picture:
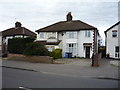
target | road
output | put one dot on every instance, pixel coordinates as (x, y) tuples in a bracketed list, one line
[(14, 78)]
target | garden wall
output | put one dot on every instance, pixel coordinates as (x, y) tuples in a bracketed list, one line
[(35, 59)]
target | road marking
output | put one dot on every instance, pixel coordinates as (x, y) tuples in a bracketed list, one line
[(24, 88)]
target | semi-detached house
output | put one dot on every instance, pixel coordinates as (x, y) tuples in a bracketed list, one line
[(74, 37)]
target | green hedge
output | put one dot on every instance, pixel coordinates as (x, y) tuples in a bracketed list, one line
[(57, 53), (36, 49), (17, 45)]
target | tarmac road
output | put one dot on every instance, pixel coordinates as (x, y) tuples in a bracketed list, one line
[(14, 78)]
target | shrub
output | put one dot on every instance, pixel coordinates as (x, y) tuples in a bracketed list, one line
[(57, 53), (36, 49), (17, 45)]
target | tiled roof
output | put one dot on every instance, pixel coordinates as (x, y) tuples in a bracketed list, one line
[(112, 26), (18, 31), (74, 25)]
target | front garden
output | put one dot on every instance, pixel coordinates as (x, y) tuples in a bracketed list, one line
[(25, 49)]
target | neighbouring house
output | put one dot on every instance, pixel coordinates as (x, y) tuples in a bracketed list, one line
[(76, 38), (112, 41), (17, 31)]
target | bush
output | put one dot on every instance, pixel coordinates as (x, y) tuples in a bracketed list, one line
[(57, 53), (17, 45), (36, 49)]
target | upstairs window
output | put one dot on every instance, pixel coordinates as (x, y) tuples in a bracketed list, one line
[(87, 33), (114, 33), (71, 35), (41, 35)]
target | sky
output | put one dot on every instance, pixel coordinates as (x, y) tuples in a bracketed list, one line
[(36, 14)]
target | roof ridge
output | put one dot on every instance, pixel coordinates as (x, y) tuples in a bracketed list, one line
[(63, 26)]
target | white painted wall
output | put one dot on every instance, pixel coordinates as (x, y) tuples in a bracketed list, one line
[(79, 41), (111, 42), (82, 39), (80, 50), (63, 44)]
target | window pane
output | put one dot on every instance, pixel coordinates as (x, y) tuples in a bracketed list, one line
[(117, 49), (72, 45), (71, 35), (87, 33), (69, 45), (114, 34), (115, 55), (41, 35)]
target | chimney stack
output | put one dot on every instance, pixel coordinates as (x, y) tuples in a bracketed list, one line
[(69, 17), (18, 25)]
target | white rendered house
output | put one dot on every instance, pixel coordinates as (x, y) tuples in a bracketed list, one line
[(72, 36), (112, 38)]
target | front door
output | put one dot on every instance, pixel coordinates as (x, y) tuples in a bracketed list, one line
[(87, 53)]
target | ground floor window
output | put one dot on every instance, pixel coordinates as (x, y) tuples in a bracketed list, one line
[(117, 51), (71, 48)]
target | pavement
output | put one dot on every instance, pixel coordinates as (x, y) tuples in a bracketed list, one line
[(70, 67)]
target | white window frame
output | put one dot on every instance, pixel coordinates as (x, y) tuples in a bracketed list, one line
[(114, 33), (41, 35), (71, 35), (71, 48), (87, 33)]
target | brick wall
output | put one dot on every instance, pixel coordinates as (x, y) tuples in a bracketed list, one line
[(37, 59)]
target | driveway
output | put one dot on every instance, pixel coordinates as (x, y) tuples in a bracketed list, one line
[(81, 62)]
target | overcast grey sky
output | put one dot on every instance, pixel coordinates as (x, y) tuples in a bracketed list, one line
[(35, 14)]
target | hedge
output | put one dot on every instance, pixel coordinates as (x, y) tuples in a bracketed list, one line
[(36, 49), (17, 45)]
